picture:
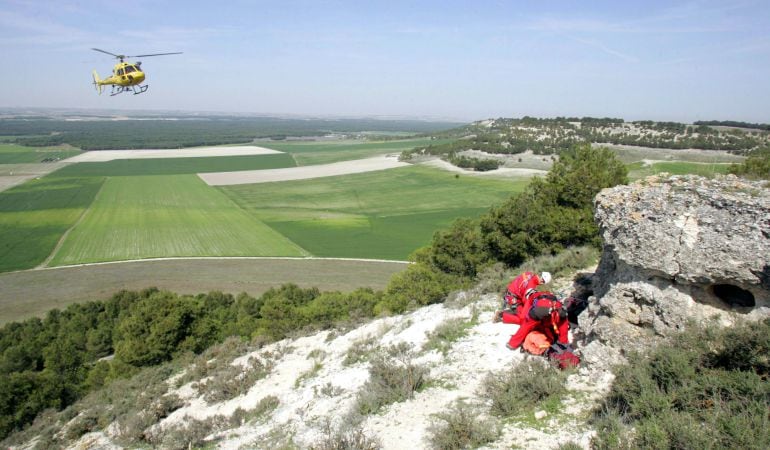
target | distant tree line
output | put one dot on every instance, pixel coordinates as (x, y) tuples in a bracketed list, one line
[(733, 123), (187, 132)]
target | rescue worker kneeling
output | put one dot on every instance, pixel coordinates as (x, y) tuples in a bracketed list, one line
[(545, 314), (543, 320)]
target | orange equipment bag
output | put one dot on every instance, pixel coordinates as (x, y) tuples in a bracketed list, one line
[(536, 343)]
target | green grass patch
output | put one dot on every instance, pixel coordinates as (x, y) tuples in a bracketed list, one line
[(447, 333), (391, 238), (324, 152), (19, 154), (640, 170), (35, 215), (385, 214), (177, 166), (160, 216)]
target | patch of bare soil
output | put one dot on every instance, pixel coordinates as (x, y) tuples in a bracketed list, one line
[(15, 174), (34, 292), (194, 152), (302, 173)]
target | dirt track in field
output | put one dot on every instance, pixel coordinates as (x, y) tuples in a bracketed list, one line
[(31, 293)]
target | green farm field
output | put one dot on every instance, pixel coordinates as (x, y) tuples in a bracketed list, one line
[(18, 154), (308, 153), (163, 216), (385, 214), (35, 215), (177, 166)]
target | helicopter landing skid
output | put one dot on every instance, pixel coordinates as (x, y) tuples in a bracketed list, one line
[(135, 89)]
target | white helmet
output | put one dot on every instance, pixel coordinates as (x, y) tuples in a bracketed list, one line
[(545, 277)]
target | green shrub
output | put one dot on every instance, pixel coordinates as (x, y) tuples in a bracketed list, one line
[(570, 445), (461, 427), (528, 385), (554, 213), (263, 408), (707, 389), (459, 250), (347, 437), (563, 263), (418, 285), (757, 165), (393, 378), (233, 380), (446, 333), (360, 351)]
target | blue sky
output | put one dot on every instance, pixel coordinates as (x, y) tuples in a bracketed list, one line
[(462, 60)]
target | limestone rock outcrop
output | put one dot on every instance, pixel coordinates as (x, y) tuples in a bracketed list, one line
[(677, 249)]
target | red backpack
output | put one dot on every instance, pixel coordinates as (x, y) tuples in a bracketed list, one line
[(563, 356)]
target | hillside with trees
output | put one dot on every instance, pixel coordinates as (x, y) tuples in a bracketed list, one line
[(555, 136)]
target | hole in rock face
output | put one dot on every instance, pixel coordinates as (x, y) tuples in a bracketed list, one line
[(733, 295)]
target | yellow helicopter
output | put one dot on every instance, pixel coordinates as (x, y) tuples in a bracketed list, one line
[(126, 76)]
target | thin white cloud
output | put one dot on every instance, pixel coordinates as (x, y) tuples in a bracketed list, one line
[(602, 47)]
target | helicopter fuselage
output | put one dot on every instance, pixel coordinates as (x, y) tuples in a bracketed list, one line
[(124, 74)]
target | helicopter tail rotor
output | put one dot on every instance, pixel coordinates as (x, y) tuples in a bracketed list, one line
[(96, 83)]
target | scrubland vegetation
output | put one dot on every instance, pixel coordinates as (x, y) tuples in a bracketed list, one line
[(707, 389)]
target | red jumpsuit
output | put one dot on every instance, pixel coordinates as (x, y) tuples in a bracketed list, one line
[(552, 325), (517, 296)]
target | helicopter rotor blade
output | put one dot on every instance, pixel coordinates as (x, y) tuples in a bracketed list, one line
[(104, 51), (154, 54)]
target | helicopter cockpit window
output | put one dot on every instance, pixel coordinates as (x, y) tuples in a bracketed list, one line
[(130, 69), (120, 71)]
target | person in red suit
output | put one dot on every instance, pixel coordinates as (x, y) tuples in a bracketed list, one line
[(540, 311), (543, 312), (515, 299)]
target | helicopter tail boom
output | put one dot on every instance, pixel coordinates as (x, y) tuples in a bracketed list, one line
[(97, 83)]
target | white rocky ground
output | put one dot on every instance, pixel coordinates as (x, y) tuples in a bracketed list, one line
[(502, 171), (193, 152), (316, 389)]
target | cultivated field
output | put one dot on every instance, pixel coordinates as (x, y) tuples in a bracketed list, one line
[(156, 216), (308, 153), (34, 292), (177, 166), (384, 214), (35, 215), (17, 154)]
